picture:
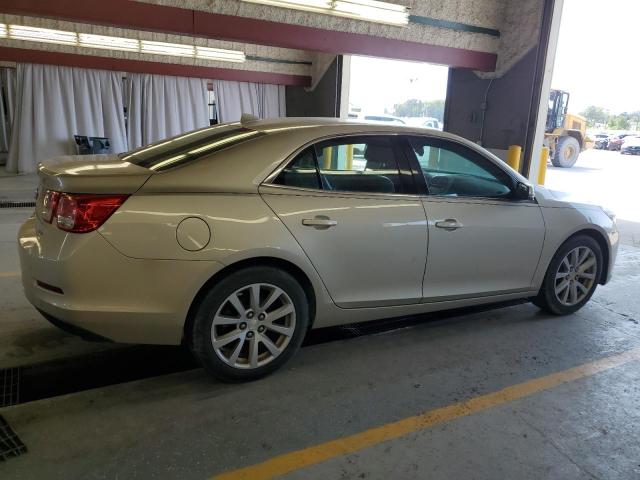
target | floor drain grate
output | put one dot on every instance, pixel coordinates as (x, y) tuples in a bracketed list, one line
[(10, 382), (10, 443), (17, 204)]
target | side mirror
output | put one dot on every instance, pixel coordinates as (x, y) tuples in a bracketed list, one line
[(524, 191)]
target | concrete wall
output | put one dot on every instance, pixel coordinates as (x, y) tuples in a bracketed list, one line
[(519, 26), (322, 101), (508, 102)]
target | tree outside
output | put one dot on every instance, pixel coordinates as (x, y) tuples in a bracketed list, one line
[(420, 108), (600, 117)]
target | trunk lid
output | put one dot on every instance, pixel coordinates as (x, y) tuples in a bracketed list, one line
[(91, 174)]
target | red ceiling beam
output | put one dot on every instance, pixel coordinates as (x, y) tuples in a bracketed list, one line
[(120, 13), (138, 66), (144, 16), (307, 38)]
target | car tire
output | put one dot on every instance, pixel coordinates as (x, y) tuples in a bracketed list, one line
[(275, 338), (566, 154), (552, 297)]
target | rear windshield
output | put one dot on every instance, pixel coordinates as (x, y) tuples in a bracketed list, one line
[(188, 147)]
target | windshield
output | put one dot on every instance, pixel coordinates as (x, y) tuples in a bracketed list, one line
[(188, 147)]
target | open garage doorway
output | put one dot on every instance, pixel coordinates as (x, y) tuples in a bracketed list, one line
[(400, 92), (595, 84)]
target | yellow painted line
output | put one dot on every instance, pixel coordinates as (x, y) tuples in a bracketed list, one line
[(306, 457), (9, 274)]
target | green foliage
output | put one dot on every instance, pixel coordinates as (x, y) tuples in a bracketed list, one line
[(420, 108), (595, 115), (598, 116), (620, 122)]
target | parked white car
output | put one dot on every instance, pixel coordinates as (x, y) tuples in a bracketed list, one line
[(630, 145)]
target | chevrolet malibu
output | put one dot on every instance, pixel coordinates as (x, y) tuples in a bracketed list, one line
[(237, 239)]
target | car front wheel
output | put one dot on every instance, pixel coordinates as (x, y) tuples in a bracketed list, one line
[(249, 324), (572, 276)]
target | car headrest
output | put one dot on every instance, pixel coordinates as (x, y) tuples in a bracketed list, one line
[(380, 157)]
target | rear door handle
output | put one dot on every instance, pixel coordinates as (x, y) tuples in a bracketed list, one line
[(319, 222), (449, 224)]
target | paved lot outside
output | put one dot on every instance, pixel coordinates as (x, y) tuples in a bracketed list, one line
[(605, 178)]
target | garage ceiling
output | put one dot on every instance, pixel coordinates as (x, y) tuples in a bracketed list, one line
[(280, 44)]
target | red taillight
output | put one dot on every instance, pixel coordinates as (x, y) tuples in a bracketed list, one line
[(81, 213), (49, 204)]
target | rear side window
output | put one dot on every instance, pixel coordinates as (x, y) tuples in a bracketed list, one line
[(188, 147), (349, 164), (301, 172), (359, 164)]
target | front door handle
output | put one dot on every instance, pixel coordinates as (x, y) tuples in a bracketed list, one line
[(319, 222), (449, 224)]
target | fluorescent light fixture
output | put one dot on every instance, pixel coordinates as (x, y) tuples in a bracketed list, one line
[(35, 34), (367, 10), (209, 53), (162, 48), (109, 43)]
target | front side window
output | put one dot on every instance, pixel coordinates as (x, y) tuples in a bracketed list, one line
[(453, 170), (349, 164)]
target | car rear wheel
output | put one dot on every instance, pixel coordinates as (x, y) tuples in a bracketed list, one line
[(249, 324), (572, 276)]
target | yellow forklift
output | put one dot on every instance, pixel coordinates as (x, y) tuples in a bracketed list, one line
[(565, 133)]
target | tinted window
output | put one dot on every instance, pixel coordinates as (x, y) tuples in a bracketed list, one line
[(350, 164), (301, 172), (451, 169), (359, 164), (190, 146)]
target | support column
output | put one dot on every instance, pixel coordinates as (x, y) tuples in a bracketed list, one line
[(532, 163)]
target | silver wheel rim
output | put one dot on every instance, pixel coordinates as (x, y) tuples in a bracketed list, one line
[(576, 276), (253, 326)]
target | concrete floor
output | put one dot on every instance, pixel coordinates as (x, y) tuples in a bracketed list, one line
[(20, 188), (187, 426)]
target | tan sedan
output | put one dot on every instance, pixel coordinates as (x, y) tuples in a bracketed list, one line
[(236, 239)]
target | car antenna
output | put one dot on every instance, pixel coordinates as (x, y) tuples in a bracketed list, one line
[(248, 118)]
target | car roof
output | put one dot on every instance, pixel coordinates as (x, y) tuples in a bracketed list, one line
[(338, 125), (248, 163), (315, 127)]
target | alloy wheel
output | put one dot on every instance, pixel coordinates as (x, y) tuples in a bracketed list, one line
[(253, 326), (576, 276)]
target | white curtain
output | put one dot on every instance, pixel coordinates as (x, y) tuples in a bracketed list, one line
[(7, 106), (161, 106), (235, 98), (54, 103)]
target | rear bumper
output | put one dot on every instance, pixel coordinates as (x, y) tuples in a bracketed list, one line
[(73, 329), (105, 293)]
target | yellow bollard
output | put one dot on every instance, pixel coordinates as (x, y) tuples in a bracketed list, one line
[(513, 157), (542, 169), (327, 155), (349, 157)]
